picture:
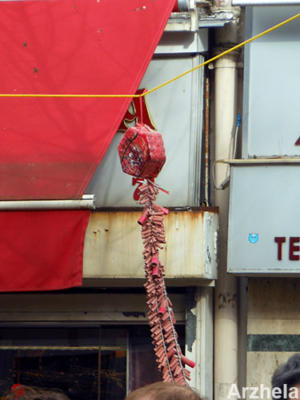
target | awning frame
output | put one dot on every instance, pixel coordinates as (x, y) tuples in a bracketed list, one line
[(86, 202)]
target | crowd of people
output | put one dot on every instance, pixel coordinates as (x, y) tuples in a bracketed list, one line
[(285, 378), (154, 391)]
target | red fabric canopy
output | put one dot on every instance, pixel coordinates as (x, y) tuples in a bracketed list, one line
[(50, 147), (41, 250)]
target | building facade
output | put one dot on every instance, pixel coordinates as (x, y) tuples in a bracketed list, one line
[(94, 340), (232, 255)]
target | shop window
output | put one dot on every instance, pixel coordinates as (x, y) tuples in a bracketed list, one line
[(91, 363)]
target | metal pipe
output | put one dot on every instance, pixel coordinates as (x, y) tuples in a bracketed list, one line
[(87, 202), (228, 35), (226, 317), (206, 143)]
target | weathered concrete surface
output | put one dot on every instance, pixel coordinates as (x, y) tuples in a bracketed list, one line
[(113, 245)]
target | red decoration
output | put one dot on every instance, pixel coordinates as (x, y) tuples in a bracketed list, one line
[(171, 362), (142, 152), (142, 155), (18, 390), (137, 112)]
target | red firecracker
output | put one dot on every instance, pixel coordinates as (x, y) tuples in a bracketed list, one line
[(142, 152), (142, 155)]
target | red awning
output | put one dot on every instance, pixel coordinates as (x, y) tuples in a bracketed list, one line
[(41, 250), (50, 147)]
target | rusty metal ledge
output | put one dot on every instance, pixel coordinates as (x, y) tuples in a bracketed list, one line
[(113, 246)]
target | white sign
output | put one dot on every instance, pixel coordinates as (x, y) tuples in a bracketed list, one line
[(264, 220)]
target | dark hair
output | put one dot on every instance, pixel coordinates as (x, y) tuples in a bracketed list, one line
[(164, 391), (287, 374)]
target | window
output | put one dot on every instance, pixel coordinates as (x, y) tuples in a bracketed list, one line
[(91, 363)]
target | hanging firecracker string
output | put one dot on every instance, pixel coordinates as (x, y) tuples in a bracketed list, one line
[(171, 361), (142, 155)]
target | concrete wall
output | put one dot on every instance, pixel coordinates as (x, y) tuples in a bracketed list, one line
[(113, 245), (273, 329)]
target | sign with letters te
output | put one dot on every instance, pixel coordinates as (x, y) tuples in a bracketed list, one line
[(264, 220)]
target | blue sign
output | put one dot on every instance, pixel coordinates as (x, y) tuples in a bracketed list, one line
[(253, 238)]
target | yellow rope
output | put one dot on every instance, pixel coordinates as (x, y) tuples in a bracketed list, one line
[(71, 95), (238, 46), (224, 53)]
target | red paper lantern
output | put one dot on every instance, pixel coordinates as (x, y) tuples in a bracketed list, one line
[(142, 152)]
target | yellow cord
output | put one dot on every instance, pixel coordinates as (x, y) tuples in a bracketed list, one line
[(238, 46), (224, 53), (71, 95)]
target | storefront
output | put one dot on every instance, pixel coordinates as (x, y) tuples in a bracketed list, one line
[(92, 343)]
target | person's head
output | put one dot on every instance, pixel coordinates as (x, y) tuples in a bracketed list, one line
[(285, 378), (163, 391), (22, 392)]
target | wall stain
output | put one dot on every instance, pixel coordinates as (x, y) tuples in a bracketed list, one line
[(135, 314), (226, 299)]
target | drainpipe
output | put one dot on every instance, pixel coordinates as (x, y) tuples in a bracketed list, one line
[(226, 314), (226, 324)]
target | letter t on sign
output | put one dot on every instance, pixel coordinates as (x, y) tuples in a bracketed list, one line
[(279, 241)]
